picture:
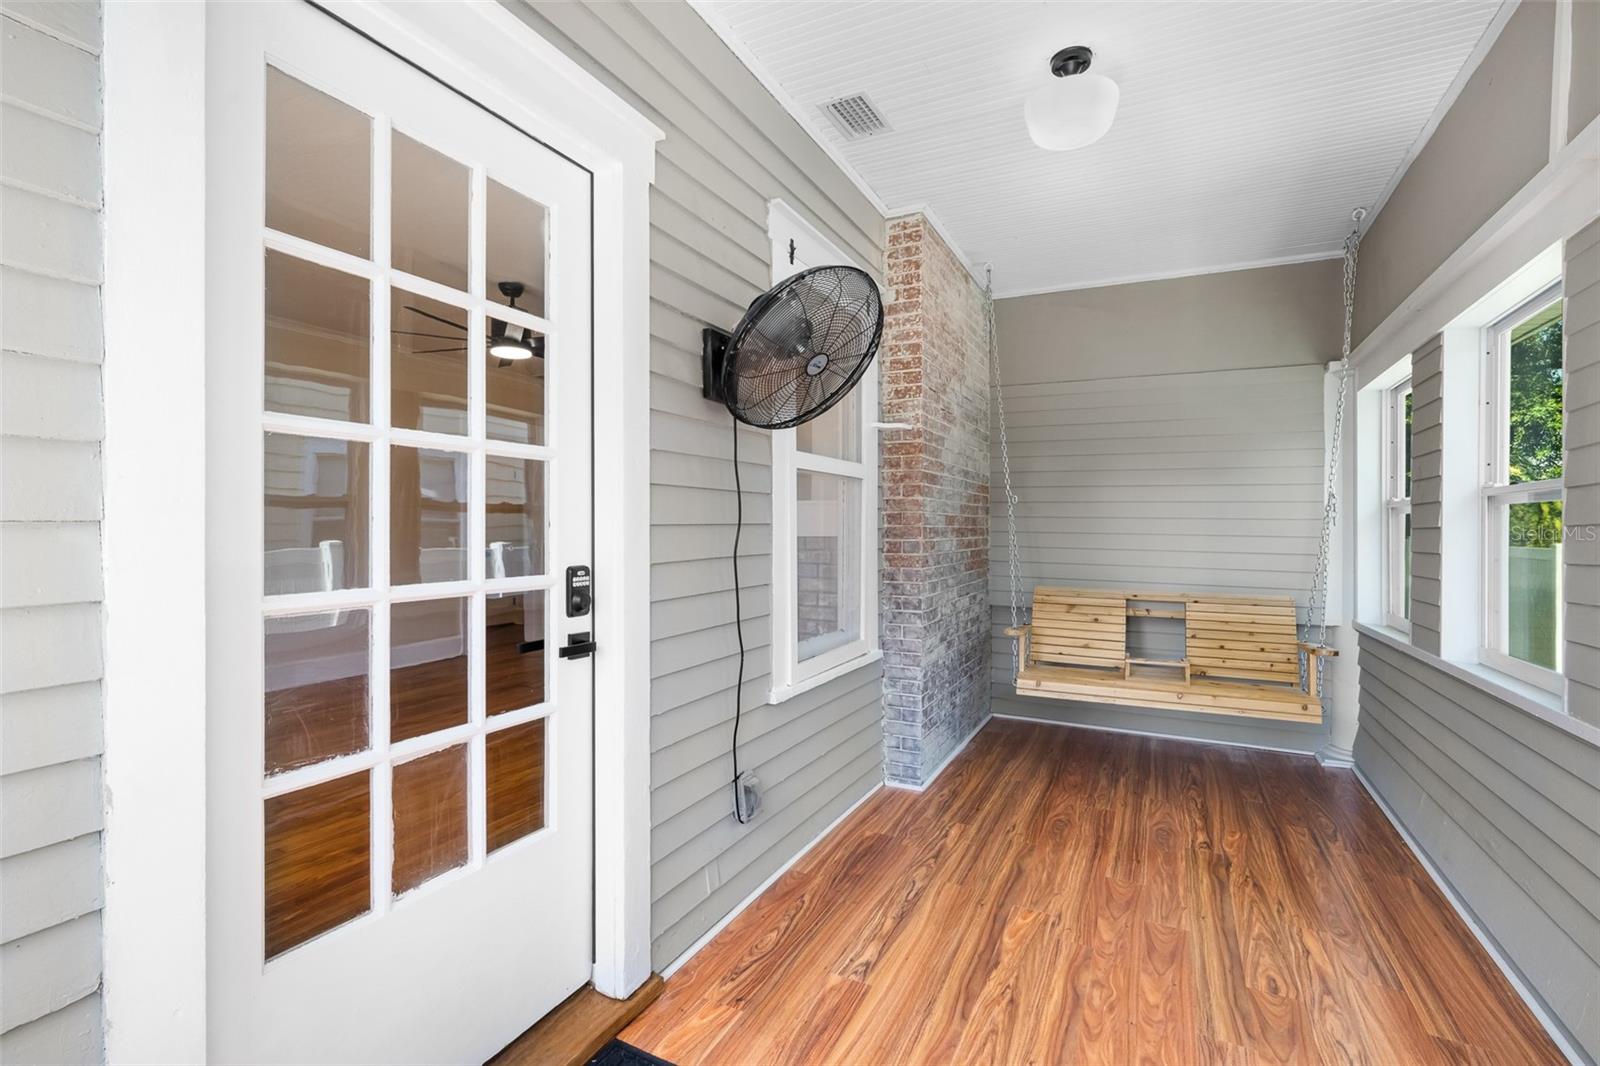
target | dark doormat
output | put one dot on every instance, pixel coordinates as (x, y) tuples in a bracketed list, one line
[(617, 1053)]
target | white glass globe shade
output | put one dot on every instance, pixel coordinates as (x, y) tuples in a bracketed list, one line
[(1072, 112)]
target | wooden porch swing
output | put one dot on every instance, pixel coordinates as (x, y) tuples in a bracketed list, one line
[(1243, 655)]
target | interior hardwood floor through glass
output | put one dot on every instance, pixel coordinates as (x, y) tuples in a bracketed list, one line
[(1065, 896), (321, 718), (317, 867)]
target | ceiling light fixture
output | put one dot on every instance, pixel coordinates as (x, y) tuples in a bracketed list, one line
[(511, 342), (1075, 110), (508, 341)]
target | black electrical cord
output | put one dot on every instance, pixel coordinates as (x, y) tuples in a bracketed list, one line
[(738, 620)]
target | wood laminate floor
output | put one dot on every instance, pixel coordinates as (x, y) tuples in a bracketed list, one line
[(1065, 896)]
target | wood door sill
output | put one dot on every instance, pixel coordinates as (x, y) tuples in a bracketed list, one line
[(571, 1034)]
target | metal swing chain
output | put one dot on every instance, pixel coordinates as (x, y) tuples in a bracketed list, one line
[(1316, 605), (1015, 563)]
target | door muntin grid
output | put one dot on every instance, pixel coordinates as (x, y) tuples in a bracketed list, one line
[(417, 563)]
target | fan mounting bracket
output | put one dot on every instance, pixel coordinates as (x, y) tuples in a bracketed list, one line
[(713, 352)]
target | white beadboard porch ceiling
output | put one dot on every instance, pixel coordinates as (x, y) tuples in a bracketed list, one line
[(1246, 133)]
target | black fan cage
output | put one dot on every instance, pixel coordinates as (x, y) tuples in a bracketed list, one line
[(802, 346)]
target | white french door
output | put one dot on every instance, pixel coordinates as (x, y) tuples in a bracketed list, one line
[(398, 450)]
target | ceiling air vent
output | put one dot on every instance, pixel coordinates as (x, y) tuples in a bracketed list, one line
[(855, 116)]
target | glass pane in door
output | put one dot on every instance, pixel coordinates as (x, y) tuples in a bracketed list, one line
[(316, 514), (427, 515), (428, 203), (514, 519), (515, 765), (317, 873), (319, 166), (430, 817), (514, 650), (427, 364), (517, 240), (318, 325), (317, 695), (514, 380), (427, 667)]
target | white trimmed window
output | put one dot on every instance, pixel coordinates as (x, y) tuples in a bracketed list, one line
[(1397, 506), (1523, 491), (824, 511)]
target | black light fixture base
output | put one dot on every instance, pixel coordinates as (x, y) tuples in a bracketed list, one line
[(1070, 61), (713, 351)]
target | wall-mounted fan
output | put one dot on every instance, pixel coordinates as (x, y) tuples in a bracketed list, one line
[(506, 342), (800, 347)]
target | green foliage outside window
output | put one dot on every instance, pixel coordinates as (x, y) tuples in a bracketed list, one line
[(1536, 442)]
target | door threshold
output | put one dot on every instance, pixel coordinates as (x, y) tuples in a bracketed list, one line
[(574, 1032)]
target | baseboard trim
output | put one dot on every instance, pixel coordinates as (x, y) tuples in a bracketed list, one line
[(948, 759), (1552, 1026), (1158, 736), (711, 934), (1336, 758)]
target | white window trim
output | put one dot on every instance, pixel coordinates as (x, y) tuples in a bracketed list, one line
[(1463, 565), (1498, 495), (1371, 491), (790, 675), (1396, 507)]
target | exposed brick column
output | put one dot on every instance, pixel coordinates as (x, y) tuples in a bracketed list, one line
[(934, 613)]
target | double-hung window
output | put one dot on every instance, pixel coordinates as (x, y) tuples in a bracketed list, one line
[(824, 512), (1522, 492), (1397, 505)]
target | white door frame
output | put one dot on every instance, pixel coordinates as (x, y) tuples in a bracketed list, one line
[(155, 658)]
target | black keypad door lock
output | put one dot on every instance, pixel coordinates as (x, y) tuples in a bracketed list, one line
[(580, 591)]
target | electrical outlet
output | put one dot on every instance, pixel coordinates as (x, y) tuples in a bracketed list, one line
[(747, 795)]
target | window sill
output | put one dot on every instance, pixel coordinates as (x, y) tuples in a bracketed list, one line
[(780, 693), (1542, 704), (1392, 634), (1399, 630)]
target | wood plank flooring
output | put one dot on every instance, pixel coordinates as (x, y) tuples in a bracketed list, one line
[(1066, 896)]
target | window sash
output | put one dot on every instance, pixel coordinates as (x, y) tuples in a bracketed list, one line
[(1498, 495), (790, 673), (1396, 509), (1496, 430), (827, 464)]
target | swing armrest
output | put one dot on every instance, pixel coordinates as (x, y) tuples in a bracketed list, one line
[(1023, 636), (1318, 649)]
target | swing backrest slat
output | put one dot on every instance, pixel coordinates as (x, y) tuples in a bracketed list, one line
[(1079, 627)]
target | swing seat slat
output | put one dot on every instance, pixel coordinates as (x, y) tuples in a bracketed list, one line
[(1242, 655)]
